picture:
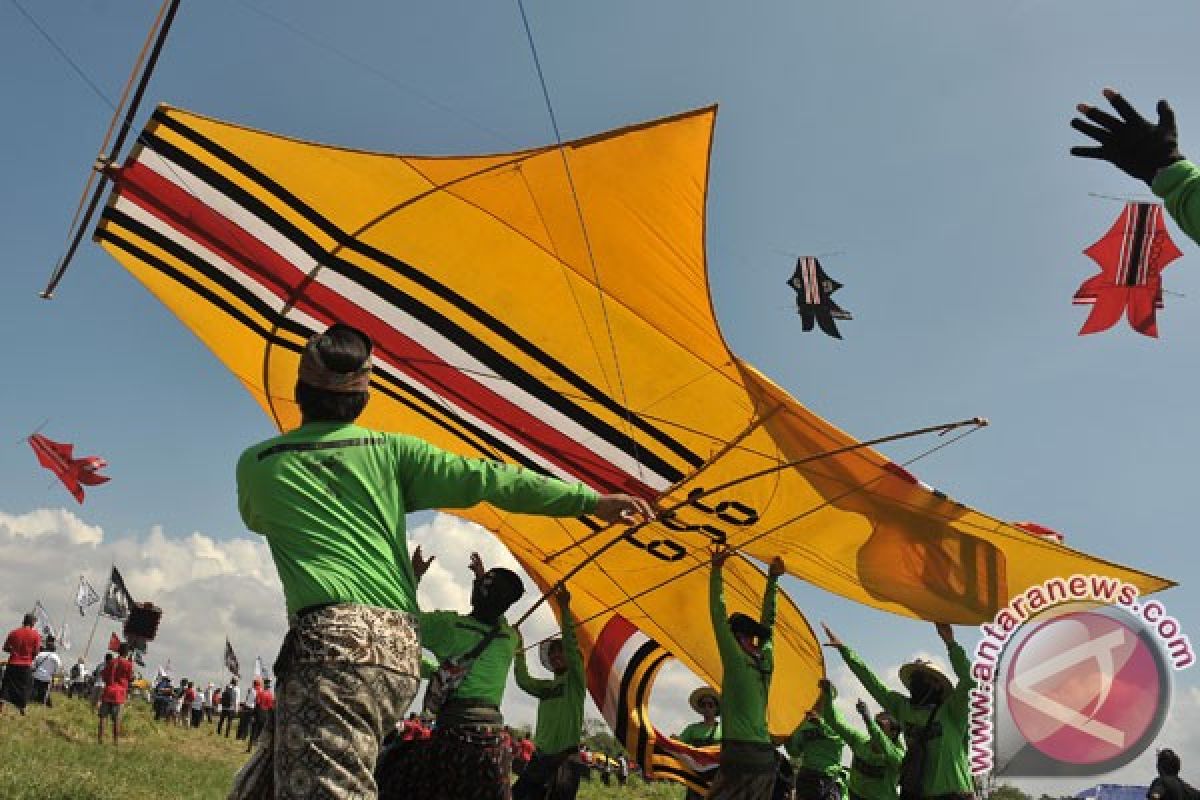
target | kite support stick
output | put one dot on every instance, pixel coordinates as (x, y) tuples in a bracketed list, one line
[(977, 422), (725, 448), (940, 430), (163, 23)]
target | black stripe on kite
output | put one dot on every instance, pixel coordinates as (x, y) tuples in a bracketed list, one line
[(306, 447), (1134, 257), (434, 413), (643, 690), (646, 651), (502, 365)]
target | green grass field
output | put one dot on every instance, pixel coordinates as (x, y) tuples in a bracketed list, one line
[(51, 754)]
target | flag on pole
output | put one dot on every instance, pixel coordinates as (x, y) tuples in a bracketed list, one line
[(64, 637), (260, 670), (114, 642), (231, 662), (85, 595), (117, 601), (43, 621)]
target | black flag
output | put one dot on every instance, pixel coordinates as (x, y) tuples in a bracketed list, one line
[(117, 601), (231, 662)]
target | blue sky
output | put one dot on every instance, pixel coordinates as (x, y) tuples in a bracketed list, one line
[(923, 143)]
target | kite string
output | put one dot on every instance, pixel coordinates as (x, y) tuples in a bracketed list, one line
[(803, 514), (584, 232), (977, 423)]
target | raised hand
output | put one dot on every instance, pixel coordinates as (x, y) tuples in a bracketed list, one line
[(476, 565), (833, 640), (721, 554), (1130, 142), (945, 631), (624, 508), (562, 595), (420, 564), (777, 567), (862, 709)]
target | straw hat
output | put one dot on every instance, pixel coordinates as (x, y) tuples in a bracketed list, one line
[(698, 694), (933, 673)]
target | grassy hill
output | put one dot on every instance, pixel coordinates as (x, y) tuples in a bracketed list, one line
[(51, 754)]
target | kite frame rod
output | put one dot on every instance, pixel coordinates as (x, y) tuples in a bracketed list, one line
[(163, 24), (977, 422)]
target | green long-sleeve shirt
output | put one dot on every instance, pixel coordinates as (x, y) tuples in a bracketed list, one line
[(448, 634), (946, 768), (1179, 187), (701, 734), (331, 498), (875, 767), (815, 746), (746, 681), (560, 699)]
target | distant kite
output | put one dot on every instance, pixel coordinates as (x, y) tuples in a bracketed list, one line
[(1132, 256), (75, 473), (814, 302)]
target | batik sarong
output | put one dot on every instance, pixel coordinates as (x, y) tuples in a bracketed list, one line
[(460, 762), (345, 674), (16, 686), (747, 772)]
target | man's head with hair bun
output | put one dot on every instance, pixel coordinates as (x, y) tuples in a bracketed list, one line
[(334, 374)]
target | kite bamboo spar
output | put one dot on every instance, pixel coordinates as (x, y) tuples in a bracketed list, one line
[(975, 422), (162, 25)]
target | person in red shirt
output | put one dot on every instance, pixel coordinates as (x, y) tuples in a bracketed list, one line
[(22, 645), (117, 675), (263, 707)]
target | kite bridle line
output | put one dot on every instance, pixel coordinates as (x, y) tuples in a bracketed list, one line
[(975, 423), (587, 239), (158, 35), (806, 513)]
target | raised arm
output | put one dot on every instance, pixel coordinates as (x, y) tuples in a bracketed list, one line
[(726, 644), (891, 750), (537, 687), (856, 739), (570, 642), (771, 591), (892, 701), (960, 663)]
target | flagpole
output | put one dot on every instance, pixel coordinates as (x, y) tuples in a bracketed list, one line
[(100, 608)]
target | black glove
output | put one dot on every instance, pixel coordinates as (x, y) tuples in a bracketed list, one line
[(1132, 144)]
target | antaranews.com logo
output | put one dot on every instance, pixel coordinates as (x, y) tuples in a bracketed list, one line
[(1074, 678)]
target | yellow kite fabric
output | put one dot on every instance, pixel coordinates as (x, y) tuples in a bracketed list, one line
[(506, 329)]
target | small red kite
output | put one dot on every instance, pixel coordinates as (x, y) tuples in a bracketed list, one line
[(75, 473), (1132, 256), (114, 642)]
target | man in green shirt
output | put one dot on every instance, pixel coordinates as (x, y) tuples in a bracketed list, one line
[(934, 715), (549, 776), (877, 754), (816, 752), (331, 498), (748, 759), (1146, 151)]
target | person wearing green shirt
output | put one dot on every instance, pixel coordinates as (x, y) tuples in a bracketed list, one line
[(705, 701), (934, 715), (1146, 151), (331, 498), (816, 752), (549, 775), (748, 760), (877, 754)]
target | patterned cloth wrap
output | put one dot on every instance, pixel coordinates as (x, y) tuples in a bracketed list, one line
[(813, 785), (345, 674), (747, 772), (460, 762)]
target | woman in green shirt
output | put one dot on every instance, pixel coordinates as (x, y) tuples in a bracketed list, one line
[(816, 752)]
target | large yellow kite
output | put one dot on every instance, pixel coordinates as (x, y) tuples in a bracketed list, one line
[(550, 308)]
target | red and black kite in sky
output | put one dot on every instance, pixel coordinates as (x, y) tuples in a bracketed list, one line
[(1132, 256), (75, 473)]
